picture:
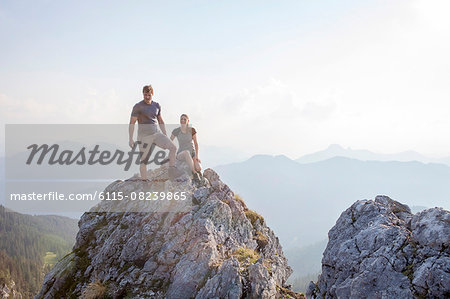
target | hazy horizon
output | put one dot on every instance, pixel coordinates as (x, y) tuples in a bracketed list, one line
[(244, 155)]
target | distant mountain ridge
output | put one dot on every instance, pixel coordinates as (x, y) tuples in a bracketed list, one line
[(301, 202), (212, 156), (335, 150), (292, 195)]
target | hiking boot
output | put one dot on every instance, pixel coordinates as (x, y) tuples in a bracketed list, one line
[(202, 181), (196, 181), (174, 173)]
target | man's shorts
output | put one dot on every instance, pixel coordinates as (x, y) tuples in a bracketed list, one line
[(159, 139)]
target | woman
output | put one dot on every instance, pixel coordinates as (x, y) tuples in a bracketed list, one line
[(187, 145)]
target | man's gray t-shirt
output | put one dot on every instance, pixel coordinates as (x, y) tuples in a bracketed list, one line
[(147, 117)]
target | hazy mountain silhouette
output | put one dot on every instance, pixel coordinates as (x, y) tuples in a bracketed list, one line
[(302, 201), (335, 150), (211, 156)]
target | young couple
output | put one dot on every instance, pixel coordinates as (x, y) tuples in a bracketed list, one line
[(148, 115)]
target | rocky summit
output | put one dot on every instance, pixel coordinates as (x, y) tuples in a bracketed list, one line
[(378, 249), (209, 245)]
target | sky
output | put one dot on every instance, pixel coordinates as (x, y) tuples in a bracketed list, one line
[(272, 77)]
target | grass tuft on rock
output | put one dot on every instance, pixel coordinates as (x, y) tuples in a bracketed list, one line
[(261, 239), (409, 272), (246, 255), (94, 290), (253, 217), (286, 293)]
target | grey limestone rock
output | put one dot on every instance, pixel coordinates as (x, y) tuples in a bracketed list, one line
[(139, 249), (378, 249)]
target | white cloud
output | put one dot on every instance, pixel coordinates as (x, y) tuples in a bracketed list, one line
[(318, 111), (388, 69), (101, 107), (267, 118), (433, 14)]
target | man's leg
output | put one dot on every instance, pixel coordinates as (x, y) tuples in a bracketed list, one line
[(164, 142), (144, 147), (143, 171)]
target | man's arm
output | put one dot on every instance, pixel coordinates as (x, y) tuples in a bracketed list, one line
[(161, 124), (133, 120)]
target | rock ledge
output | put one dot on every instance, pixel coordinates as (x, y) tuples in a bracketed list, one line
[(215, 248), (378, 249)]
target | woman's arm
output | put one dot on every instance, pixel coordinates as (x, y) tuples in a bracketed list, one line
[(194, 138)]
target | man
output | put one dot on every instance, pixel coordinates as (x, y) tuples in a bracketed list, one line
[(147, 113)]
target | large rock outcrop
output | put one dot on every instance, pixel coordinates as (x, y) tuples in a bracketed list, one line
[(378, 249), (207, 246)]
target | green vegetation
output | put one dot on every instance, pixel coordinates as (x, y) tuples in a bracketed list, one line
[(253, 217), (50, 259), (409, 272), (244, 255), (290, 294), (261, 240), (268, 264), (94, 290), (31, 245), (81, 262)]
